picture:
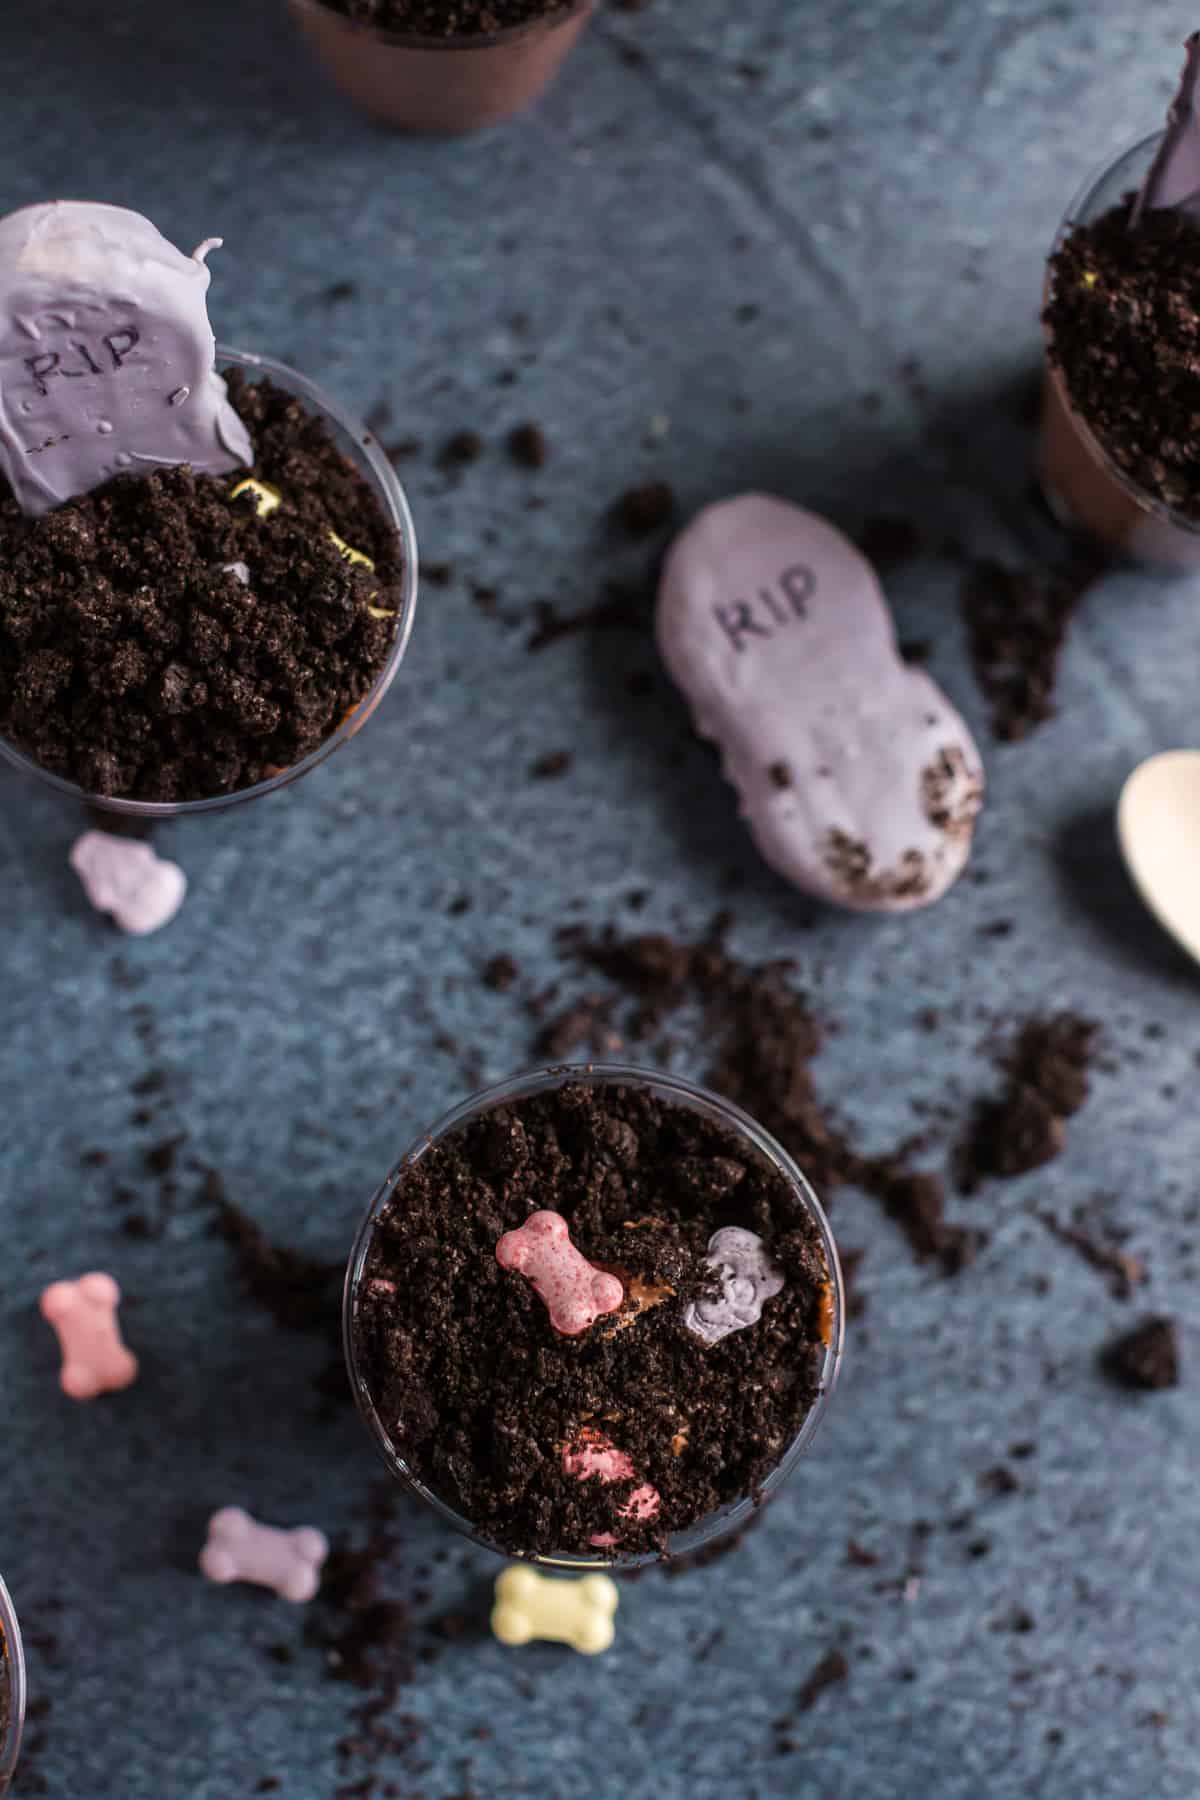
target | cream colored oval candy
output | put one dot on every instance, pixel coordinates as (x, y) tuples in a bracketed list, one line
[(858, 780), (578, 1613), (1158, 827)]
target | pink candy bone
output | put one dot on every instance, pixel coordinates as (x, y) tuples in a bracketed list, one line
[(594, 1457), (576, 1294), (125, 878), (240, 1549), (84, 1315)]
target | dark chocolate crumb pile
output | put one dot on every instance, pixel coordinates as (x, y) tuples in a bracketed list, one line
[(830, 1671), (1101, 1244), (363, 1630), (641, 511), (300, 1292), (1147, 1357), (1047, 1067), (481, 1395), (766, 1039), (447, 18), (1124, 319), (1017, 622), (625, 607), (134, 659)]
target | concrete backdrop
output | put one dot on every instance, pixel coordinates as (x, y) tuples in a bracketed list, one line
[(796, 246)]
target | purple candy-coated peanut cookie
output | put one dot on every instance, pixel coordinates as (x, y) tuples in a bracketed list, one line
[(106, 355), (1174, 178), (747, 1279), (238, 1548), (575, 1293), (858, 780), (141, 890)]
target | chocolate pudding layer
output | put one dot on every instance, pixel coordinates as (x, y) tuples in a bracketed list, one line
[(1123, 322), (636, 1427), (162, 639)]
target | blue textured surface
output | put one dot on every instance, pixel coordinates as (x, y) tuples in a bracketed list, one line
[(297, 1003)]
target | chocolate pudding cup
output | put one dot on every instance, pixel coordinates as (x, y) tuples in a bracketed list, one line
[(12, 1688), (757, 1147), (360, 447), (441, 87), (1086, 489)]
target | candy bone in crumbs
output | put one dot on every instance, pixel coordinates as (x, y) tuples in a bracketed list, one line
[(858, 780), (351, 555), (238, 1548), (592, 1456), (125, 878), (531, 1606), (747, 1278), (266, 498), (575, 1293), (83, 1314)]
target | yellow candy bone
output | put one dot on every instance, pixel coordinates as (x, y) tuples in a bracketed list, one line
[(356, 556), (266, 497), (351, 555), (578, 1613)]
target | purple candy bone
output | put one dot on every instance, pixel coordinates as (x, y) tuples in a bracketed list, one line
[(858, 780), (1174, 178), (106, 355), (747, 1279)]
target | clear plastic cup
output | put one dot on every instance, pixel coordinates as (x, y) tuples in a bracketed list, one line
[(440, 86), (13, 1675), (673, 1090), (356, 442), (1086, 489)]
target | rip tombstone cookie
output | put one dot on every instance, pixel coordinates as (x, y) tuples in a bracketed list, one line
[(106, 354), (858, 780)]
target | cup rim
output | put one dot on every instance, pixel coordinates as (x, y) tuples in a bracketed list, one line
[(725, 1520), (477, 41), (1074, 215), (10, 1745), (394, 503)]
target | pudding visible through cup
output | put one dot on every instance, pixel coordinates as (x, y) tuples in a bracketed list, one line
[(1085, 488), (441, 86), (756, 1145), (12, 1688)]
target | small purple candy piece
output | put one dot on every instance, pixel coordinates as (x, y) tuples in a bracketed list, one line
[(121, 876), (859, 781), (747, 1280), (106, 355)]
